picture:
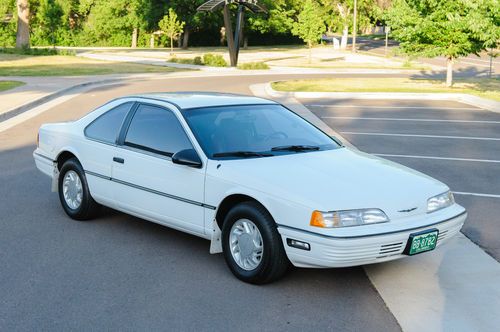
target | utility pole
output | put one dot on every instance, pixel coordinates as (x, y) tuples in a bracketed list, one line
[(354, 26)]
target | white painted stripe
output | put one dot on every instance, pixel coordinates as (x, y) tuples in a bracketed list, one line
[(437, 158), (475, 194), (394, 107), (411, 119), (425, 136)]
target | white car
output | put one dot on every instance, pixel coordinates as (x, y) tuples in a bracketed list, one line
[(262, 184)]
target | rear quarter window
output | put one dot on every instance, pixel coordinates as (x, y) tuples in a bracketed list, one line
[(107, 126)]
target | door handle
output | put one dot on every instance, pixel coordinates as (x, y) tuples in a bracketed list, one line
[(119, 160)]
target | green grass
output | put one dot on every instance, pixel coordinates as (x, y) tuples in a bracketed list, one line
[(253, 66), (487, 88), (57, 65), (6, 85)]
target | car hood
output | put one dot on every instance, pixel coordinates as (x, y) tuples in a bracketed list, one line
[(339, 179)]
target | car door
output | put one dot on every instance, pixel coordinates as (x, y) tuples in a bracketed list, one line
[(98, 148), (147, 182)]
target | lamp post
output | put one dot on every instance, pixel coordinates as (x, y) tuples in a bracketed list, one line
[(233, 40)]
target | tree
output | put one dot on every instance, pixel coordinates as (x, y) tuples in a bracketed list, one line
[(310, 24), (49, 18), (449, 28), (170, 25), (23, 24)]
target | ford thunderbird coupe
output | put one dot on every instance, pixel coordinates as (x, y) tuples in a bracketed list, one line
[(265, 186)]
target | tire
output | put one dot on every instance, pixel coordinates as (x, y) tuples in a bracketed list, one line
[(87, 208), (273, 263)]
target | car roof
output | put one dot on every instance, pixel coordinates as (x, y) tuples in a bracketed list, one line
[(187, 100)]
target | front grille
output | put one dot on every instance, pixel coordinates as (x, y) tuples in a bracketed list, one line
[(390, 249)]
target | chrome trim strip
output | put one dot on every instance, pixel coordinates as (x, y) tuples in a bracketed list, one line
[(370, 235), (44, 157), (156, 192)]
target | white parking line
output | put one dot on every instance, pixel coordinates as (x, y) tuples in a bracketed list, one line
[(424, 136), (410, 119), (475, 194), (438, 158), (394, 107)]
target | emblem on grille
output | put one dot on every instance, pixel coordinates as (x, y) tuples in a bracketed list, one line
[(408, 210)]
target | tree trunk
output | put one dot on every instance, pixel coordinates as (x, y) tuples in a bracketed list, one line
[(343, 41), (23, 24), (134, 37), (185, 40), (171, 43), (152, 41), (309, 44), (354, 26), (245, 43), (449, 72)]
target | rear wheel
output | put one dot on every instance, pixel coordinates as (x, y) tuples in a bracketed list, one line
[(74, 192), (252, 245)]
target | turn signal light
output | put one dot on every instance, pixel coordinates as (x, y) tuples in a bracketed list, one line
[(317, 219)]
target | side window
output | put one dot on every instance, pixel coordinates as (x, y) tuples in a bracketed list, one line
[(157, 130), (107, 127)]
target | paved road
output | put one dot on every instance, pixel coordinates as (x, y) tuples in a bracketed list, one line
[(471, 65), (455, 143), (119, 272)]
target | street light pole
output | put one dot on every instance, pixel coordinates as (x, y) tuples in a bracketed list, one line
[(354, 26)]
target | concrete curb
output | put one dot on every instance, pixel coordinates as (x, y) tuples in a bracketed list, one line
[(42, 100), (490, 105)]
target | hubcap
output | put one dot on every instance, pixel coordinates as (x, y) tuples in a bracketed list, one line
[(72, 190), (246, 244)]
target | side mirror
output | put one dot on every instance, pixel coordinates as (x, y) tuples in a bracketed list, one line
[(187, 157)]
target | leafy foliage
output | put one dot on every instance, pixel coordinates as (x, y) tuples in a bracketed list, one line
[(450, 28), (214, 60), (171, 26), (310, 23)]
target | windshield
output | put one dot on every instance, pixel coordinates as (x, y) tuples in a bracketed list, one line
[(254, 131)]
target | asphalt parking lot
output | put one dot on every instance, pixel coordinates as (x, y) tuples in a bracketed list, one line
[(118, 272), (452, 142)]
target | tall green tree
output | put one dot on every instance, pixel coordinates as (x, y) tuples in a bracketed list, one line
[(171, 26), (49, 16), (194, 20), (449, 28), (8, 22), (310, 24)]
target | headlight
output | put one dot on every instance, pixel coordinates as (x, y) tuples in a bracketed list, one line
[(440, 201), (347, 218)]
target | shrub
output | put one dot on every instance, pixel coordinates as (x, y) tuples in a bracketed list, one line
[(214, 60), (253, 65), (37, 51), (195, 61)]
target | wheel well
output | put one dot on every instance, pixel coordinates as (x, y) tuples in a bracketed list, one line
[(63, 157), (228, 203)]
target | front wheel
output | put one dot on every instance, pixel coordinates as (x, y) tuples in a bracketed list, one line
[(252, 246), (74, 192)]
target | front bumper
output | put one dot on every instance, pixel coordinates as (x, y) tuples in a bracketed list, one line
[(328, 251)]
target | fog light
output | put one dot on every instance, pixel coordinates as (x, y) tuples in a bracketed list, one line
[(298, 244)]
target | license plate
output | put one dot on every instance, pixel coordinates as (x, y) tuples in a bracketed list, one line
[(422, 242)]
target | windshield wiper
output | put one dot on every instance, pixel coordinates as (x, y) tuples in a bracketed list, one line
[(296, 148), (243, 154)]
